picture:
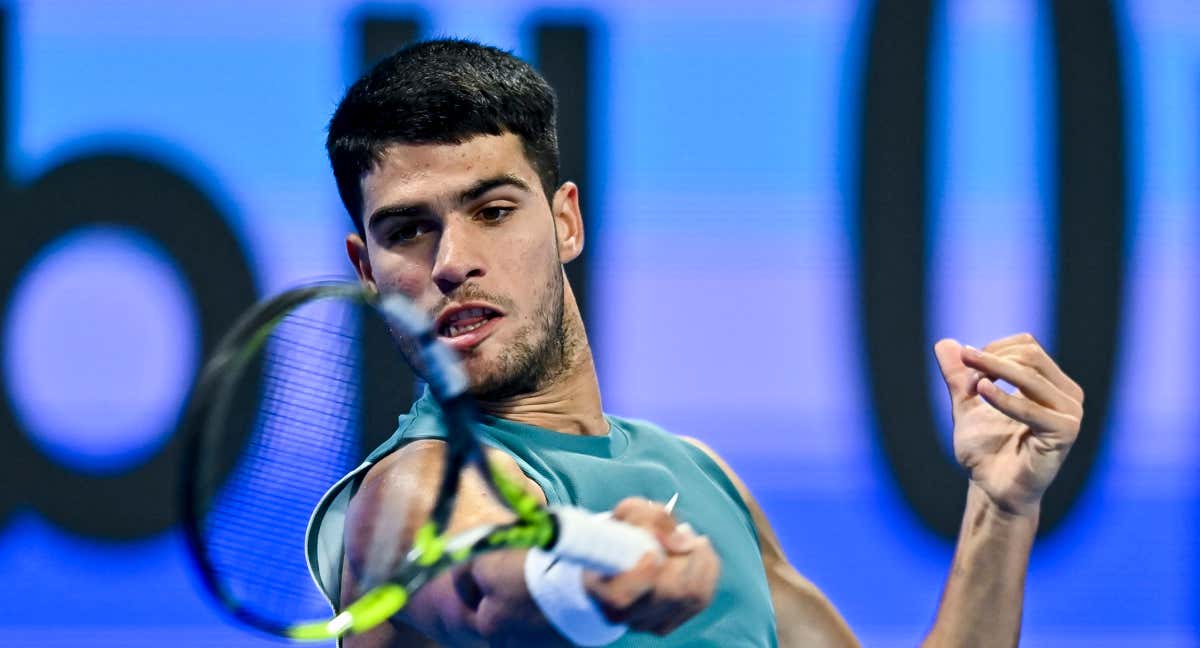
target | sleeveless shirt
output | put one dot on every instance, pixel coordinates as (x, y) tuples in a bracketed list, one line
[(636, 458)]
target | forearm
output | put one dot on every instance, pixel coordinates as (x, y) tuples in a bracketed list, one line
[(981, 604)]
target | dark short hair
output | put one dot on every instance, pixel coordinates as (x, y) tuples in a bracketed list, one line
[(444, 91)]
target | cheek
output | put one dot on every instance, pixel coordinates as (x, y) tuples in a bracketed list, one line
[(396, 274), (525, 266), (528, 253)]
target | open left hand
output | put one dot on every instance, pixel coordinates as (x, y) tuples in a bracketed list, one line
[(1011, 445)]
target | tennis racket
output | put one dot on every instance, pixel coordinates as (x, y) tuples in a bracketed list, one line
[(274, 421)]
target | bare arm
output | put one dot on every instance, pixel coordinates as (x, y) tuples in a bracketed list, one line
[(981, 604), (1012, 446), (486, 601), (803, 614), (397, 492), (984, 594)]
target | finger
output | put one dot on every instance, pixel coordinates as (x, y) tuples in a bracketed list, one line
[(704, 569), (617, 595), (667, 601), (683, 539), (683, 590), (1037, 417), (960, 379), (1031, 383), (1033, 355), (1045, 364), (996, 346), (651, 516)]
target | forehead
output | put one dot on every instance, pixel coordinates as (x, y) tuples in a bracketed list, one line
[(409, 173)]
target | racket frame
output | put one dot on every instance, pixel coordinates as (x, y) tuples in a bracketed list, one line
[(433, 550)]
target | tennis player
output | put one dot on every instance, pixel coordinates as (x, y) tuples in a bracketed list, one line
[(446, 157)]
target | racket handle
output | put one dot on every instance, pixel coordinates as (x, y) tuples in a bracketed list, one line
[(598, 542)]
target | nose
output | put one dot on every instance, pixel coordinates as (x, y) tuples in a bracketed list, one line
[(459, 256)]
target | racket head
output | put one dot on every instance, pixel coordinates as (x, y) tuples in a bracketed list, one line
[(275, 420)]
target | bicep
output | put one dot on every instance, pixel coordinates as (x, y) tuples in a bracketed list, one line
[(804, 615), (394, 500), (387, 504)]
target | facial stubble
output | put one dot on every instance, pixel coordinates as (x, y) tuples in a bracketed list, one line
[(540, 352)]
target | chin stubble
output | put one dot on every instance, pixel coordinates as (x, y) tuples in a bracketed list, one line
[(540, 353)]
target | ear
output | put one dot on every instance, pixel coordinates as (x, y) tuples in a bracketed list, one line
[(568, 222), (356, 249)]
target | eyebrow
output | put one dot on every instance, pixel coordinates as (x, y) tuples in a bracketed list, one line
[(475, 191), (470, 194)]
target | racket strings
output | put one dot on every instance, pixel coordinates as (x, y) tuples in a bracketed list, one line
[(303, 438)]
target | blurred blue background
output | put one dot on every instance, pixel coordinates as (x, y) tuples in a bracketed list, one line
[(724, 142)]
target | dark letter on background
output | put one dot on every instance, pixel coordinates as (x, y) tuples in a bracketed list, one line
[(564, 58), (121, 189), (892, 222), (387, 386)]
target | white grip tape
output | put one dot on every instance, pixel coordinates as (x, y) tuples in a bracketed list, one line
[(585, 540), (600, 543)]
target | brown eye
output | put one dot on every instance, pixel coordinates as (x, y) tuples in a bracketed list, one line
[(408, 232), (494, 214)]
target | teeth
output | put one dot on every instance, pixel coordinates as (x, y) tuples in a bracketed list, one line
[(468, 313), (455, 331), (451, 329)]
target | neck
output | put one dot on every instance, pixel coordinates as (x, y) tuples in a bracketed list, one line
[(570, 403)]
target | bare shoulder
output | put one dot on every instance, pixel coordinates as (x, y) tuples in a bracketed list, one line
[(419, 464), (804, 615), (405, 485)]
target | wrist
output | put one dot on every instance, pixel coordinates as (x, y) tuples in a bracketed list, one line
[(557, 587), (1001, 511)]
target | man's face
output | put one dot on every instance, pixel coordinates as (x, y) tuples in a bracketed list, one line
[(465, 231)]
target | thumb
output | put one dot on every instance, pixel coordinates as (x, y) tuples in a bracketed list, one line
[(960, 379)]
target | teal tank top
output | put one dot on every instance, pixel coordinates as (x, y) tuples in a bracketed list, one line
[(635, 459)]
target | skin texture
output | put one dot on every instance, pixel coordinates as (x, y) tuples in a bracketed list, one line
[(444, 245), (433, 238), (1012, 446)]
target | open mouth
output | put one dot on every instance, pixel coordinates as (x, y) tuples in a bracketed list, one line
[(467, 325)]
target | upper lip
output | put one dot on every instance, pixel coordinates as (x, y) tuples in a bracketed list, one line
[(444, 318)]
